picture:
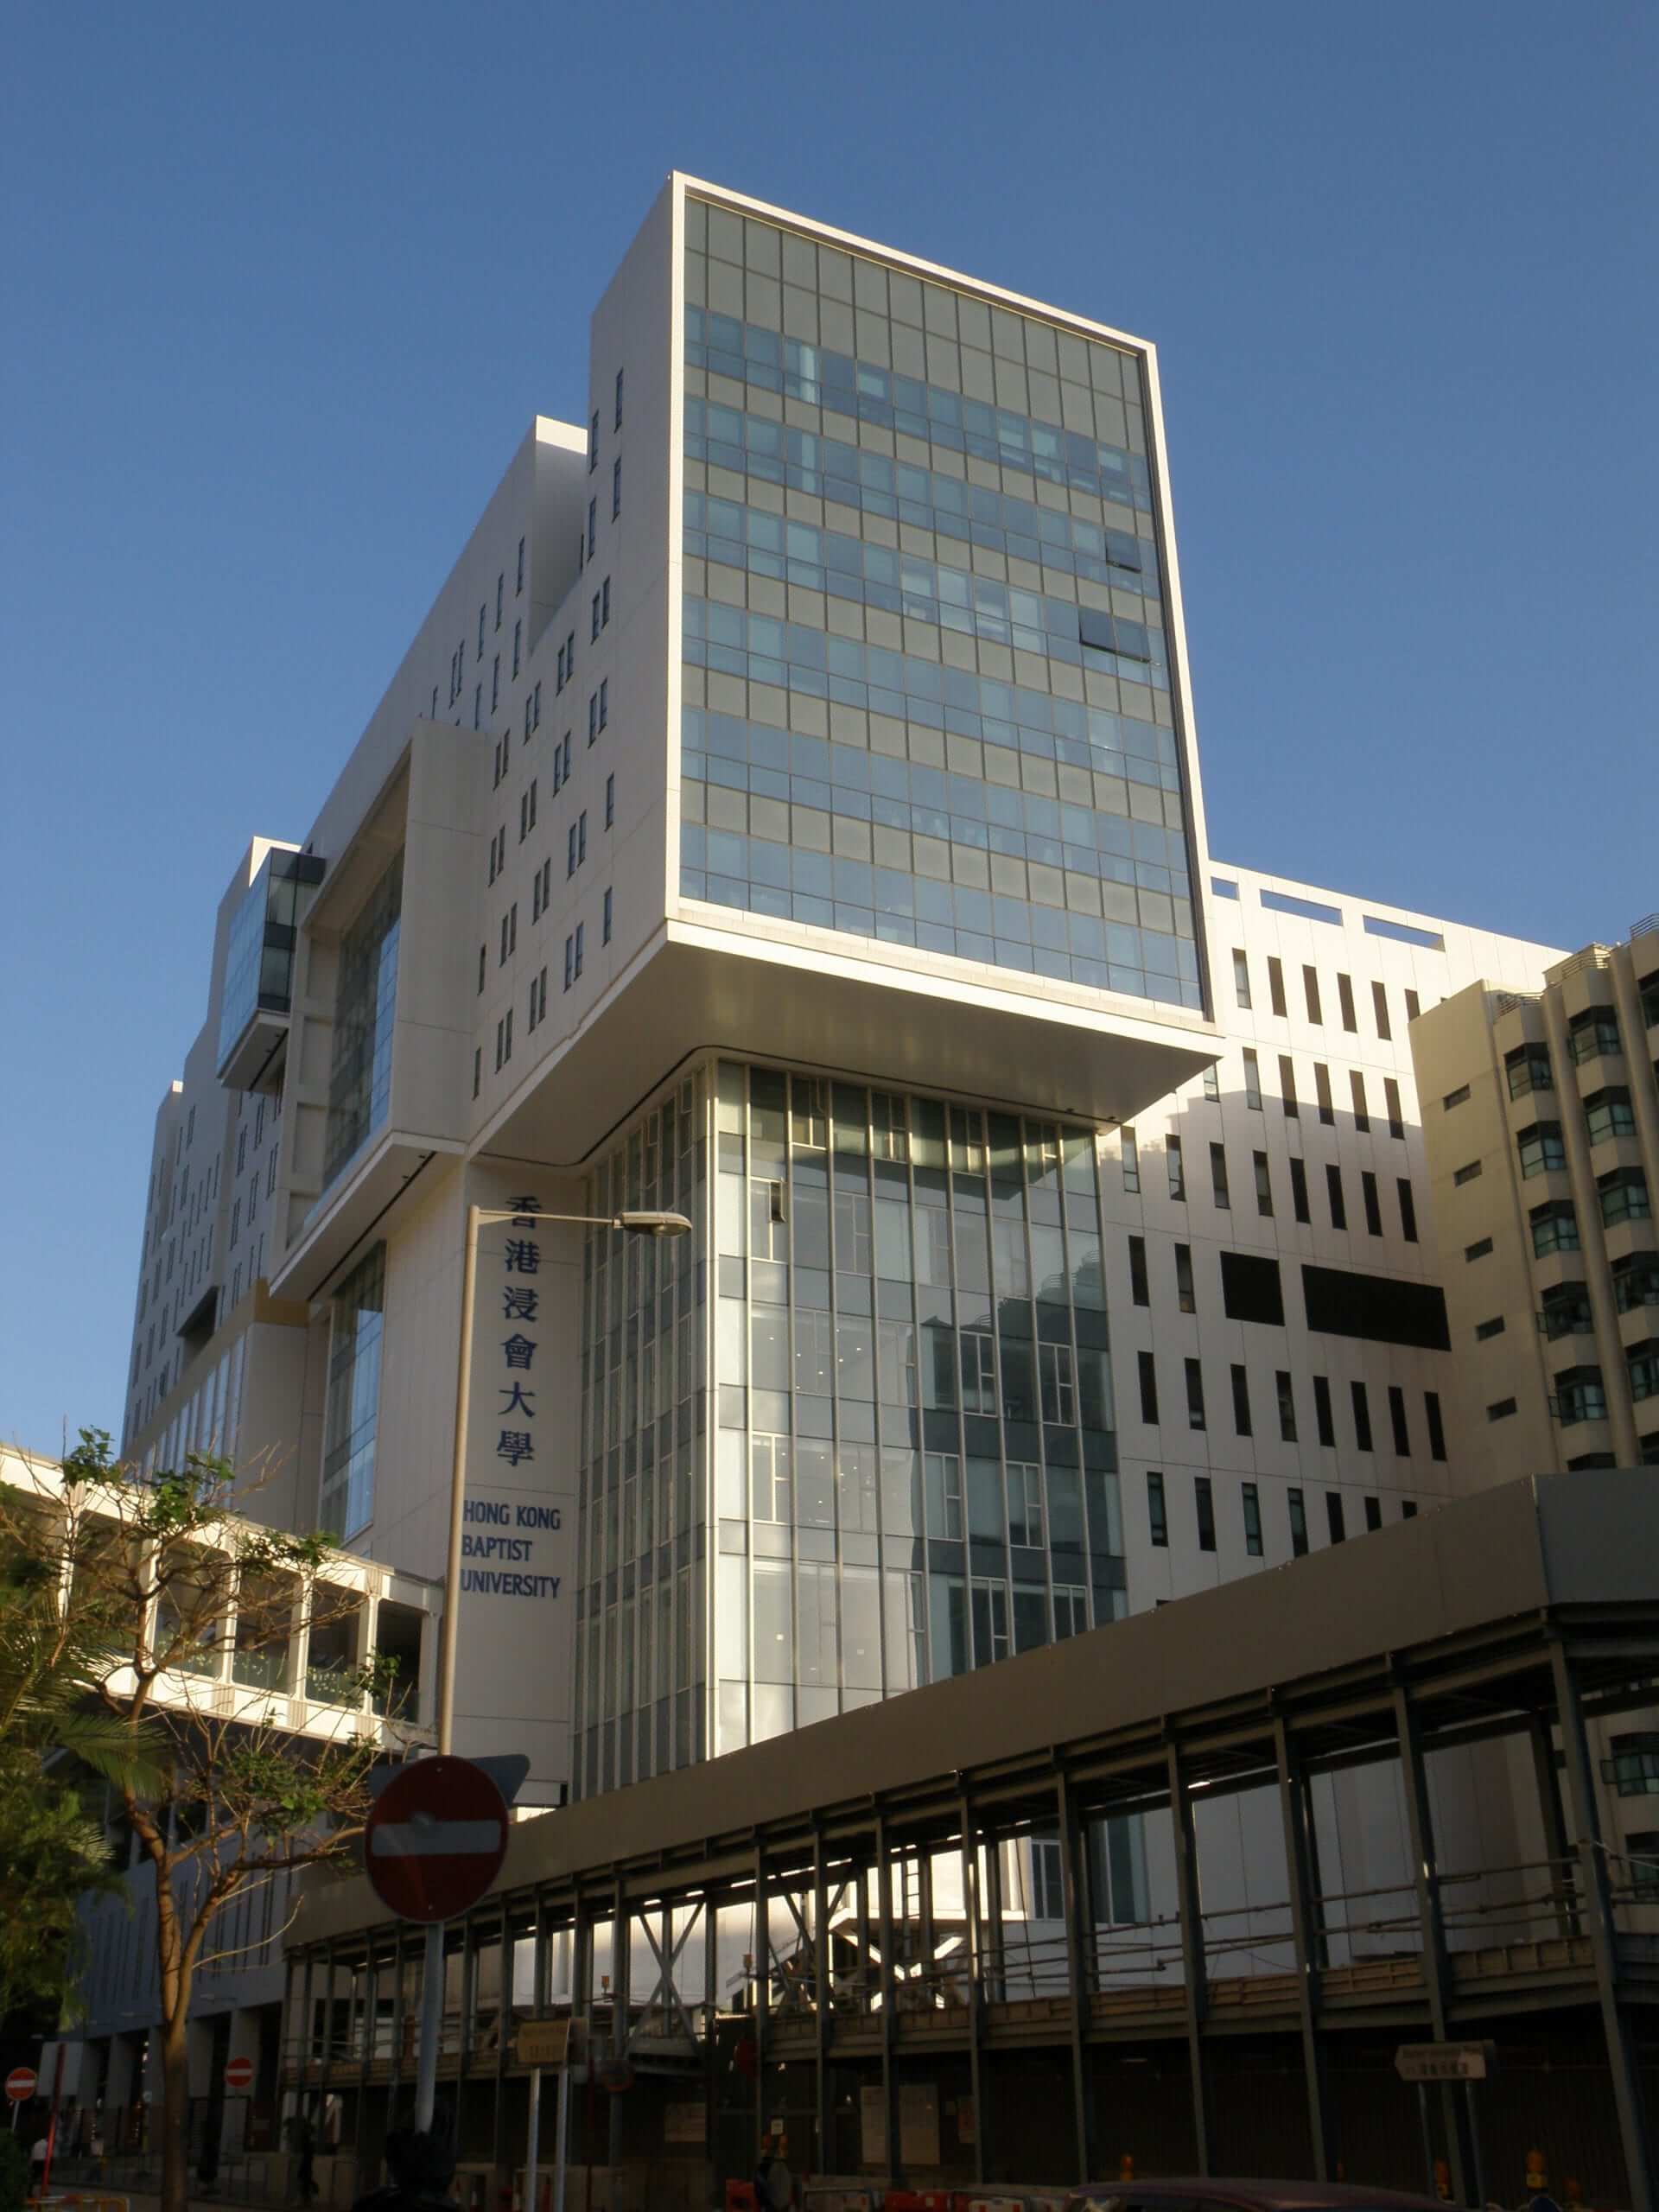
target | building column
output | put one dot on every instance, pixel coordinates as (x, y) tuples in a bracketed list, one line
[(762, 1994), (884, 1931), (1604, 1938), (1431, 1923), (821, 2014), (975, 1995), (1304, 1915), (1073, 1891), (1192, 1960), (621, 1999)]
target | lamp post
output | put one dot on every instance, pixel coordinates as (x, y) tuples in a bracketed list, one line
[(637, 1224)]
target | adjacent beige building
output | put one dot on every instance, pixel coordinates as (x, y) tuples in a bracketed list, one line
[(1541, 1120)]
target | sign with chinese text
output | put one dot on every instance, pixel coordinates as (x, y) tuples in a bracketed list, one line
[(1445, 2062), (516, 1648)]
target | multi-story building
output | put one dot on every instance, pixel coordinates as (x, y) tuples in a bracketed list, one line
[(789, 814), (1541, 1123)]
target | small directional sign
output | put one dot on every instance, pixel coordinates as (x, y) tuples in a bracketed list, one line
[(1445, 2062)]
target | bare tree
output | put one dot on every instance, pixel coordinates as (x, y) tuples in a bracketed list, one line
[(155, 1577)]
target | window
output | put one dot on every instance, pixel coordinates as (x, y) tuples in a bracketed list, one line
[(1138, 1288), (1542, 1150), (478, 706), (1502, 1410), (610, 800), (1397, 1418), (1623, 1196), (593, 617), (1203, 1501), (1391, 1098), (1361, 1111), (1412, 1005), (1287, 1088), (1361, 1416), (1373, 1511), (1635, 1282), (1407, 1509), (1058, 1374), (1592, 1034), (592, 443), (483, 955), (1242, 979), (1407, 1208), (605, 934), (517, 642), (1322, 1414), (1194, 1395), (1467, 1173), (1322, 1087), (478, 1069), (1263, 1184), (569, 960), (1177, 1172), (1310, 992), (604, 604), (1334, 1516), (1333, 1191), (605, 703), (942, 1471), (1436, 1425), (1455, 1098), (1218, 1174), (592, 528), (1579, 1396), (1129, 1159), (570, 851), (1607, 1114), (482, 611), (1185, 1298), (1527, 1070), (1287, 1398), (1212, 1084), (1380, 1010), (1479, 1250), (1252, 1081), (1149, 1373), (1298, 1190), (1252, 1504), (1373, 1203), (1633, 1769), (1345, 1000), (351, 1419), (592, 716), (1298, 1523), (1643, 1362), (616, 488), (617, 424), (1241, 1401), (1555, 1228), (1564, 1311), (1157, 1515), (520, 585), (1276, 987), (1222, 888)]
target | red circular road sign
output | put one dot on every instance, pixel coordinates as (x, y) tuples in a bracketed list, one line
[(238, 2074), (435, 1840), (20, 2084)]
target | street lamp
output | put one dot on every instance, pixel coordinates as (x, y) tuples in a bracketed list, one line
[(635, 1223)]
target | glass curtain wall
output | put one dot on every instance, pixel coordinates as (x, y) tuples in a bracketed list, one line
[(359, 1079), (352, 1418), (641, 1695), (903, 1463), (927, 691)]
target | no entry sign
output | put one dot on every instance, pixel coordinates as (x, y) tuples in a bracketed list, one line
[(436, 1838), (20, 2084), (238, 2076)]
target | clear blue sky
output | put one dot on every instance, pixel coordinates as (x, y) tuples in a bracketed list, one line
[(284, 285)]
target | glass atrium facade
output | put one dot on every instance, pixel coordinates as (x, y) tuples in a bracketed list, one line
[(360, 1078), (855, 1434), (927, 690)]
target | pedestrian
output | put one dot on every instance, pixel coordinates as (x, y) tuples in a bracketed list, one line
[(303, 2138), (37, 2164), (419, 2169)]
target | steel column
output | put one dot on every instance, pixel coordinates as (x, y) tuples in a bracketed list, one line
[(884, 1926), (1303, 1911), (1431, 1921), (971, 1953), (1604, 1938), (762, 1994), (1542, 1739), (821, 1999), (1193, 1961), (997, 1988), (1075, 1973), (621, 2000)]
